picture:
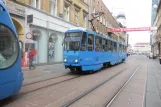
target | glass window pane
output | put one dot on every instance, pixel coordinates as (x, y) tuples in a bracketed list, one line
[(8, 47), (84, 38), (90, 42)]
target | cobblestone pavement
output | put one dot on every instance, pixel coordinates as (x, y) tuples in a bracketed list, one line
[(59, 94)]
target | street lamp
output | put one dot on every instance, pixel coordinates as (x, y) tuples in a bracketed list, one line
[(155, 6)]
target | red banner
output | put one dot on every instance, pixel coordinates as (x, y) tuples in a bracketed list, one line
[(129, 29)]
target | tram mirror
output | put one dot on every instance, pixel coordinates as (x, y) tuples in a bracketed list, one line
[(21, 48)]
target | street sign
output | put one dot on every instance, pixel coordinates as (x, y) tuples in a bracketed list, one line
[(29, 18)]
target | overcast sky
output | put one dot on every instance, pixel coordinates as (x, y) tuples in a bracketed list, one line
[(138, 14)]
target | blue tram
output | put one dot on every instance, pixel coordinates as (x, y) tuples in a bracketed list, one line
[(11, 76), (85, 50)]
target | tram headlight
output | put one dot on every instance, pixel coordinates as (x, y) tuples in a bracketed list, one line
[(76, 61), (65, 60)]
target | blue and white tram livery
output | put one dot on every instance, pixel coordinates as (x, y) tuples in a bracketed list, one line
[(11, 76), (85, 50)]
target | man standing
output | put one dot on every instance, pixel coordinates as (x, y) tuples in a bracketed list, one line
[(31, 55)]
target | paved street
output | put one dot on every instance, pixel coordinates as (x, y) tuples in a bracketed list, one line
[(54, 86), (153, 91)]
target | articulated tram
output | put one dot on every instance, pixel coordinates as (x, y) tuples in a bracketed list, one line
[(11, 75), (85, 50)]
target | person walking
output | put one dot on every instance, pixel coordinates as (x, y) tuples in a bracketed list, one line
[(31, 55)]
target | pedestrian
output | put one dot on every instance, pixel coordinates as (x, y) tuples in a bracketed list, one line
[(160, 58), (31, 58)]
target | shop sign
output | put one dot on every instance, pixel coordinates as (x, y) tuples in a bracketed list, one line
[(15, 8), (29, 18)]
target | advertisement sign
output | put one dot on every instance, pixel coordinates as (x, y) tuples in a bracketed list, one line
[(131, 29)]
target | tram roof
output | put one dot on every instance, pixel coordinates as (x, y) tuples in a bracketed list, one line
[(79, 29)]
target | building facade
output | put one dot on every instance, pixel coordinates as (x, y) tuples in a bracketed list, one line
[(142, 48), (45, 24), (105, 21), (17, 13), (154, 10), (41, 24), (156, 35)]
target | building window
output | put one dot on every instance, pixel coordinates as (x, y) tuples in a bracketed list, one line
[(53, 7), (76, 17), (94, 10), (66, 12), (85, 1), (36, 3), (84, 20), (101, 19)]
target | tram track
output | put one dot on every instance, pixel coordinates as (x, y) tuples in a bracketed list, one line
[(94, 88), (121, 88), (63, 78), (48, 78), (46, 83), (45, 89)]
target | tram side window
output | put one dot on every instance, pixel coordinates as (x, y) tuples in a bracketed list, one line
[(98, 44), (125, 48), (90, 42), (103, 44), (120, 48), (112, 46), (115, 47), (106, 45), (109, 46), (83, 43)]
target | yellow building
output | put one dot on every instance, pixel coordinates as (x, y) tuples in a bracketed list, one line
[(17, 13), (73, 11)]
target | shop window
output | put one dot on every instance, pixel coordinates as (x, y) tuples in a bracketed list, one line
[(90, 42), (84, 43)]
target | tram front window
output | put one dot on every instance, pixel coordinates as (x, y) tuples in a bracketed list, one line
[(8, 47), (72, 41)]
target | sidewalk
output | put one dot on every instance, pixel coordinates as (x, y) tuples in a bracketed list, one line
[(43, 72), (153, 89)]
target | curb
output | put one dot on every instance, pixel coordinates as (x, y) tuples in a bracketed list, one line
[(43, 64)]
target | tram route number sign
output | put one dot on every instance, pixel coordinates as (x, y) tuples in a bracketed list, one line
[(29, 18)]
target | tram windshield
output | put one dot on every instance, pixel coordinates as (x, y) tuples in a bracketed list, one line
[(8, 47), (72, 41)]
